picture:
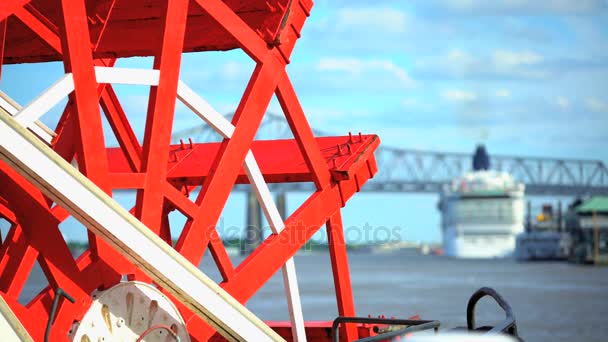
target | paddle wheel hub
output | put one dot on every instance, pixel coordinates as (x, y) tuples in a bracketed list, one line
[(129, 311)]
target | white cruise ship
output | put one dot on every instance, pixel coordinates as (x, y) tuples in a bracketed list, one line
[(482, 213)]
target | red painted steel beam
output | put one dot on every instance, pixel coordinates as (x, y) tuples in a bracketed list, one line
[(5, 212), (302, 132), (64, 142), (165, 226), (119, 20), (9, 7), (268, 258), (161, 108), (32, 212), (121, 127), (220, 256), (40, 25), (229, 159), (180, 201), (271, 255), (3, 24), (17, 260), (78, 60), (42, 233), (341, 273), (248, 39), (124, 180), (101, 30), (279, 160), (216, 245)]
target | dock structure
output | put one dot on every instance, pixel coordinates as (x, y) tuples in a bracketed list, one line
[(591, 231), (50, 174)]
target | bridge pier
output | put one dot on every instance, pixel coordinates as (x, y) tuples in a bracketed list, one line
[(281, 201), (253, 228), (254, 234)]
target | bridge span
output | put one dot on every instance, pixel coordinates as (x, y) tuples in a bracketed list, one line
[(409, 170)]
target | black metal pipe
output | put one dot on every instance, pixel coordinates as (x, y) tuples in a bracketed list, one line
[(370, 320), (407, 330), (59, 292), (507, 326)]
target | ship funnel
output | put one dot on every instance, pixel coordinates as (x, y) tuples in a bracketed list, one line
[(481, 159)]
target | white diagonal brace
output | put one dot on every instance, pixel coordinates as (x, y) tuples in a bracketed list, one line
[(225, 128), (39, 128), (130, 76), (288, 270), (45, 101), (10, 327), (29, 115), (106, 218)]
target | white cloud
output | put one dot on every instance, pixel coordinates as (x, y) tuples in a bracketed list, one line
[(357, 67), (500, 64), (504, 58), (457, 95), (377, 19), (563, 102), (507, 7), (596, 105), (503, 93)]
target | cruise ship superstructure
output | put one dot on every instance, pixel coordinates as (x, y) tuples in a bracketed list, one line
[(482, 213)]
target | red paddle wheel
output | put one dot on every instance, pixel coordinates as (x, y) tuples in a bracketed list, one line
[(88, 37)]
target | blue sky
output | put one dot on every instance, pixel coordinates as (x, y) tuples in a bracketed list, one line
[(525, 77)]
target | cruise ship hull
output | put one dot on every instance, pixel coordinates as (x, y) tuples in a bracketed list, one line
[(459, 245)]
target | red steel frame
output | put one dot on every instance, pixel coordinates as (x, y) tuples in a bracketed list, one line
[(338, 170)]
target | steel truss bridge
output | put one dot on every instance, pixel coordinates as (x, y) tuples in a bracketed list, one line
[(409, 170)]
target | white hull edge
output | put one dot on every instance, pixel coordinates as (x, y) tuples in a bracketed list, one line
[(486, 246)]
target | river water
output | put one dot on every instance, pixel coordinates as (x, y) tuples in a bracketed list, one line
[(552, 301)]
